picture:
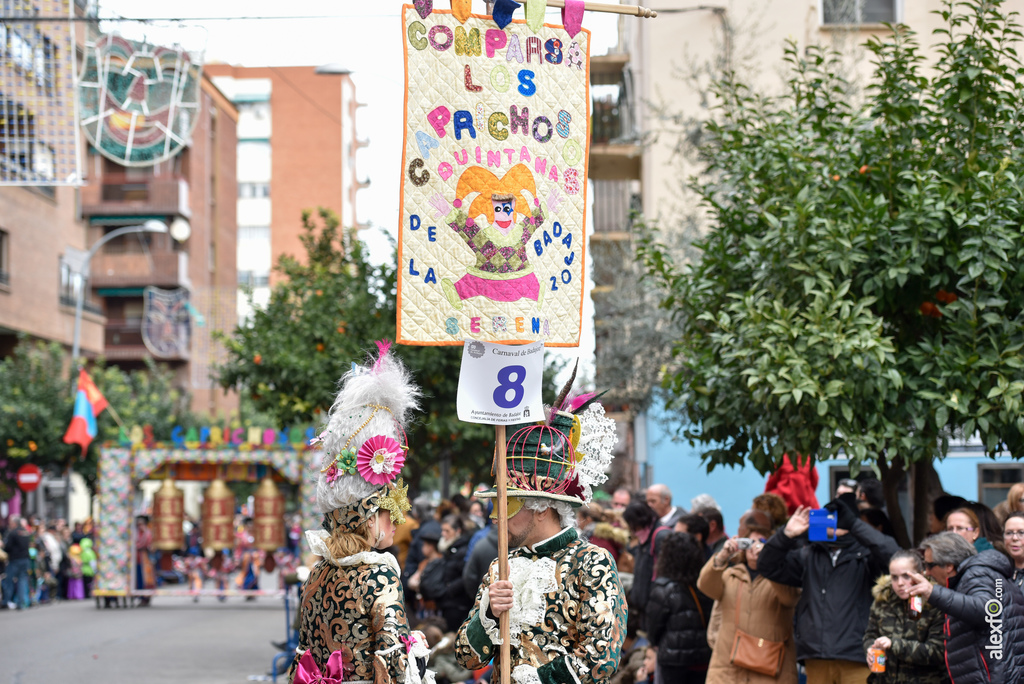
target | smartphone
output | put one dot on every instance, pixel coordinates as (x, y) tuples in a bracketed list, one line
[(822, 525)]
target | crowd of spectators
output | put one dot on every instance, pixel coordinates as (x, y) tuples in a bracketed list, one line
[(42, 562), (771, 603), (768, 603)]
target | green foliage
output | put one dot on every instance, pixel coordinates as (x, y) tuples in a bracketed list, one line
[(859, 288), (37, 402), (35, 409), (325, 313)]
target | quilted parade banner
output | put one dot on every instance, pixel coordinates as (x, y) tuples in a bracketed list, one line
[(494, 181)]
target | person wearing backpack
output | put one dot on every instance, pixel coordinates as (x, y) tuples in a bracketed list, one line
[(643, 524)]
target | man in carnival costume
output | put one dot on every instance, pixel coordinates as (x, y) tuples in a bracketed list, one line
[(353, 623), (567, 609)]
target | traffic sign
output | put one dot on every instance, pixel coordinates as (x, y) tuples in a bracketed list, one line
[(29, 476)]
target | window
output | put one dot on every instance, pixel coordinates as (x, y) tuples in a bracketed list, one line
[(17, 138), (44, 63), (253, 190), (5, 259), (259, 111), (854, 12), (21, 50), (995, 480), (69, 284), (253, 279)]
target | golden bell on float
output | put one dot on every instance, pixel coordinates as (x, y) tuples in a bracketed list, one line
[(168, 517), (218, 516), (268, 518)]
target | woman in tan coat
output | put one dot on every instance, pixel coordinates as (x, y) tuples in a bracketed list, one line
[(765, 610)]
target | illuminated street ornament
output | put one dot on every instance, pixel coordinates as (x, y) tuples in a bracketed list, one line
[(165, 322), (138, 103)]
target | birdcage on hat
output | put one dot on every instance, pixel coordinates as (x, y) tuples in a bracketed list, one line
[(541, 460)]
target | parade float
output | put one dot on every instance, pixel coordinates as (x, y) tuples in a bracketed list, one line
[(217, 456)]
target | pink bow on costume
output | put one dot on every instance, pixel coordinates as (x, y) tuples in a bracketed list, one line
[(306, 672)]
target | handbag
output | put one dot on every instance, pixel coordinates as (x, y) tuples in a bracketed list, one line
[(753, 653)]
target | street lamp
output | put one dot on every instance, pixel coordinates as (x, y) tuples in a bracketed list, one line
[(79, 261)]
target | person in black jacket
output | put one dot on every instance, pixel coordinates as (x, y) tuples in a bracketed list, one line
[(441, 580), (837, 578), (480, 558), (677, 613), (18, 544), (984, 610), (643, 524)]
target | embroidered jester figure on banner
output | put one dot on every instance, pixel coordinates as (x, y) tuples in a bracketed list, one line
[(502, 272)]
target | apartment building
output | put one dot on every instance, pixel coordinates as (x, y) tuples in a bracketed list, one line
[(297, 147), (196, 275), (39, 219)]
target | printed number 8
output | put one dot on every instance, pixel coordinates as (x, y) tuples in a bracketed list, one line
[(505, 383)]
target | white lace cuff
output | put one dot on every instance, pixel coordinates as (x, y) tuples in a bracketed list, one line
[(525, 674), (490, 626)]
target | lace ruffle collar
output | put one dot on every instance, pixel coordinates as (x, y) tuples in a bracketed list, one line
[(318, 545)]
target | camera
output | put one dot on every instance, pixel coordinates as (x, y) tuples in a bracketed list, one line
[(744, 543)]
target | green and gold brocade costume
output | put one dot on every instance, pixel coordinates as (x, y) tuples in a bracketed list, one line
[(574, 633)]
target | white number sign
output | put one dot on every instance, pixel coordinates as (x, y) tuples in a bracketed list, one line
[(500, 384)]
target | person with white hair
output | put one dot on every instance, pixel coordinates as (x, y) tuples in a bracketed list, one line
[(353, 623), (567, 609), (659, 498)]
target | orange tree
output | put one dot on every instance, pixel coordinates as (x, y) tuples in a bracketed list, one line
[(325, 313), (859, 288)]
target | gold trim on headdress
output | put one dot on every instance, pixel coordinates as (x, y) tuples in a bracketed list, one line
[(395, 501)]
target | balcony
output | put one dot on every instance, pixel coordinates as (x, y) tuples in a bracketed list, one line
[(88, 305), (123, 342), (614, 204), (123, 196), (136, 268), (615, 142)]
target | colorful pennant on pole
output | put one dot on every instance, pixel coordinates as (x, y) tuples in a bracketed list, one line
[(462, 9), (423, 7), (503, 10), (89, 403), (572, 16), (535, 10)]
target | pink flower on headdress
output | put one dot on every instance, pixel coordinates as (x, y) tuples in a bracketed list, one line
[(379, 459), (331, 474)]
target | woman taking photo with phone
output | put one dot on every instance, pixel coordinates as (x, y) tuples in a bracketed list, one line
[(754, 609)]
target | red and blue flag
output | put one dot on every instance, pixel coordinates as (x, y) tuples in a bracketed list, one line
[(89, 403)]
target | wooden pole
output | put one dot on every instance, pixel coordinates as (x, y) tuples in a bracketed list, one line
[(632, 10), (500, 476)]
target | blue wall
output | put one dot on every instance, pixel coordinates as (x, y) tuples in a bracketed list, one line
[(678, 465)]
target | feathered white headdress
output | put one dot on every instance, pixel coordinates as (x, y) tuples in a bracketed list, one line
[(363, 445)]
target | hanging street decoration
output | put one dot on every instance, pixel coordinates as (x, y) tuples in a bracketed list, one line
[(138, 103)]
